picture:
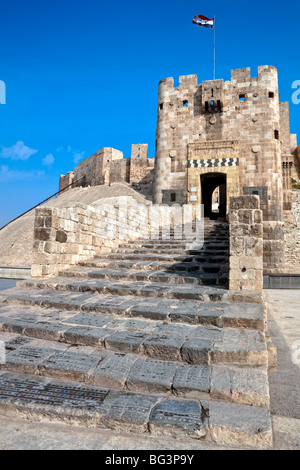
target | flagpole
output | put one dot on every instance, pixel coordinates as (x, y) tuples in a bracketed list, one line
[(214, 47)]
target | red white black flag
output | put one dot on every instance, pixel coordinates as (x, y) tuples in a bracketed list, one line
[(201, 20)]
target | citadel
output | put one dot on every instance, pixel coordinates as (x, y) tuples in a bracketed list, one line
[(120, 322), (234, 136)]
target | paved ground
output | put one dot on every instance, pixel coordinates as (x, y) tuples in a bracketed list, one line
[(284, 381), (284, 327)]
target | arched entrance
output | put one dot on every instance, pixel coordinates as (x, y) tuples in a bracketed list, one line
[(209, 182)]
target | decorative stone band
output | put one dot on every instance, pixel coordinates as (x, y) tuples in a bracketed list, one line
[(212, 162)]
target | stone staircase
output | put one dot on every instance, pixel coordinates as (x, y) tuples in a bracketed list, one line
[(142, 339)]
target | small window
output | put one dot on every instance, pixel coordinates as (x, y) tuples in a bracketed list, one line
[(276, 134), (271, 94), (219, 104), (185, 103), (161, 106), (212, 103), (242, 97), (206, 105), (173, 197)]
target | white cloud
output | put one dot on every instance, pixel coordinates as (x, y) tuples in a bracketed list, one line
[(19, 151), (17, 175), (77, 156), (48, 160)]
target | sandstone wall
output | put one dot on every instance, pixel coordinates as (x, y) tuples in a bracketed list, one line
[(64, 237), (292, 236), (246, 244)]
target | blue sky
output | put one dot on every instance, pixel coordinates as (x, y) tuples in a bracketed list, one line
[(84, 75)]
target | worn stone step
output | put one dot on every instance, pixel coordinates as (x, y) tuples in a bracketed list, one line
[(136, 264), (189, 344), (45, 399), (174, 277), (126, 370), (134, 288), (183, 257), (225, 314)]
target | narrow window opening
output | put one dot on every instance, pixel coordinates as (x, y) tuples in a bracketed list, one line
[(212, 103), (172, 164), (173, 197), (219, 104), (185, 103), (161, 106), (206, 105), (212, 92), (276, 134), (242, 97), (271, 94)]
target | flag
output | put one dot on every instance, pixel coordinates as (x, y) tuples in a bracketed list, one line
[(201, 20)]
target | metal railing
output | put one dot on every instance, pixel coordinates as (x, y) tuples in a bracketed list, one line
[(43, 202)]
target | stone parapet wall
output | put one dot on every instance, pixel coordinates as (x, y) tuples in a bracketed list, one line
[(64, 237), (246, 244)]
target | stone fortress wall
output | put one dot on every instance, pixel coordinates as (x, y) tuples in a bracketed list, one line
[(233, 134), (107, 166)]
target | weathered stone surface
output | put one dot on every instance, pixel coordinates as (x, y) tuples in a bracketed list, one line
[(240, 346), (71, 365), (126, 341), (129, 412), (151, 375), (240, 425), (178, 418), (49, 399), (26, 359), (196, 351), (86, 335), (89, 319), (192, 381), (113, 370), (164, 346)]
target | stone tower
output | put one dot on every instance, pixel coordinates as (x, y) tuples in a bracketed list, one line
[(227, 135)]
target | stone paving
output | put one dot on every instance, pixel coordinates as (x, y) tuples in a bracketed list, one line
[(168, 358)]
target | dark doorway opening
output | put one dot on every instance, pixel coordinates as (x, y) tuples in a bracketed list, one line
[(214, 201)]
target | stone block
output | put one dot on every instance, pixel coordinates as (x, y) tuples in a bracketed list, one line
[(178, 418), (196, 351), (129, 412), (192, 381), (151, 375)]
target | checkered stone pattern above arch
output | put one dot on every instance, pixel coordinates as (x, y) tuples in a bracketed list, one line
[(213, 162)]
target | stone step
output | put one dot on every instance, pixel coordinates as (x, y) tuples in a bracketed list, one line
[(133, 288), (173, 243), (136, 264), (48, 399), (188, 344), (184, 257), (174, 277), (204, 312), (128, 371), (171, 252)]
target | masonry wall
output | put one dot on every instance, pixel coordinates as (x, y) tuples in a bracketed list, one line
[(64, 237), (232, 128), (246, 244), (292, 236)]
